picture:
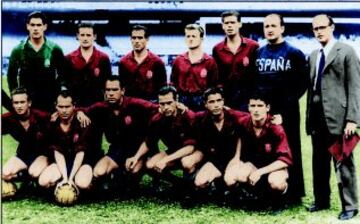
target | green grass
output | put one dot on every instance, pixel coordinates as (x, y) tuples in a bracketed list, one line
[(152, 210)]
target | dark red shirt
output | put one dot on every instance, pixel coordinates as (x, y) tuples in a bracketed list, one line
[(174, 132), (142, 80), (219, 147), (32, 142), (269, 146), (127, 130), (235, 67), (87, 79), (69, 143), (196, 77)]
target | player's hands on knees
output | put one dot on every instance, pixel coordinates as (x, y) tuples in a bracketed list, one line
[(83, 119), (254, 177), (160, 165), (54, 116), (130, 163), (181, 107)]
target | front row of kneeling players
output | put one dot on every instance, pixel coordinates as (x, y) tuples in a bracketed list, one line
[(219, 149)]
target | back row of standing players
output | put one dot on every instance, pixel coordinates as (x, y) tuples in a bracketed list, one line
[(237, 64)]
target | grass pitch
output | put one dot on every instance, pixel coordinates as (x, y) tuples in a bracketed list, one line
[(153, 210)]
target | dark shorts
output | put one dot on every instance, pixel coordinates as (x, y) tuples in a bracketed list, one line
[(93, 158), (27, 159)]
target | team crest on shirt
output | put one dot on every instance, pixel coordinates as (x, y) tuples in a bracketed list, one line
[(128, 120), (246, 61), (39, 135), (76, 137), (96, 72), (203, 73), (267, 147), (149, 74)]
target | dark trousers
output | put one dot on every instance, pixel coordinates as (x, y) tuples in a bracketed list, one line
[(322, 139), (291, 124)]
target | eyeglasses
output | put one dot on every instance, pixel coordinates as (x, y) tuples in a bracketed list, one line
[(320, 28)]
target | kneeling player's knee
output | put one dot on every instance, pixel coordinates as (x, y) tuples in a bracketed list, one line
[(99, 171), (187, 164), (200, 181), (35, 172), (229, 180), (277, 185), (83, 183), (44, 181)]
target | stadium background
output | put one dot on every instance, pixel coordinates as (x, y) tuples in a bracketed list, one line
[(166, 21)]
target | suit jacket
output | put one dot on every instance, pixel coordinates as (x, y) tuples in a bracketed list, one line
[(340, 88)]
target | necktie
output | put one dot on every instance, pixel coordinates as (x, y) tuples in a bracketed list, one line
[(320, 70)]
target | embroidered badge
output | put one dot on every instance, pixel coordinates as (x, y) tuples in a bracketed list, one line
[(246, 61), (203, 73), (39, 135), (128, 120), (267, 148), (149, 74), (76, 137), (96, 72), (47, 63)]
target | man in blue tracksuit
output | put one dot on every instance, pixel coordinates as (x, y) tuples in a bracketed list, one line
[(282, 74)]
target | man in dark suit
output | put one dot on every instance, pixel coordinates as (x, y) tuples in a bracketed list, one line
[(333, 110)]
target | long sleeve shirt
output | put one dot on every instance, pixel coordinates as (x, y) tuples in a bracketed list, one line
[(40, 72)]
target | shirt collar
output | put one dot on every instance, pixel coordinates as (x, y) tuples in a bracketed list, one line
[(328, 47), (244, 42)]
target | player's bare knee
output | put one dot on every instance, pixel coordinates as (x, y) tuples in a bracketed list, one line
[(35, 171), (44, 181), (99, 170), (277, 183), (229, 180), (242, 178), (82, 182)]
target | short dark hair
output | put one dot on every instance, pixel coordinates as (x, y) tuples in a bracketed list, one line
[(112, 78), (195, 26), (231, 13), (260, 95), (281, 18), (85, 25), (37, 14), (211, 91), (20, 90), (168, 89), (141, 27), (65, 93)]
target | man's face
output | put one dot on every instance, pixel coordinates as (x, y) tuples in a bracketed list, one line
[(272, 29), (113, 92), (323, 32), (21, 104), (167, 104), (215, 104), (36, 28), (86, 37), (138, 40), (193, 39), (65, 108), (231, 26), (258, 110)]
